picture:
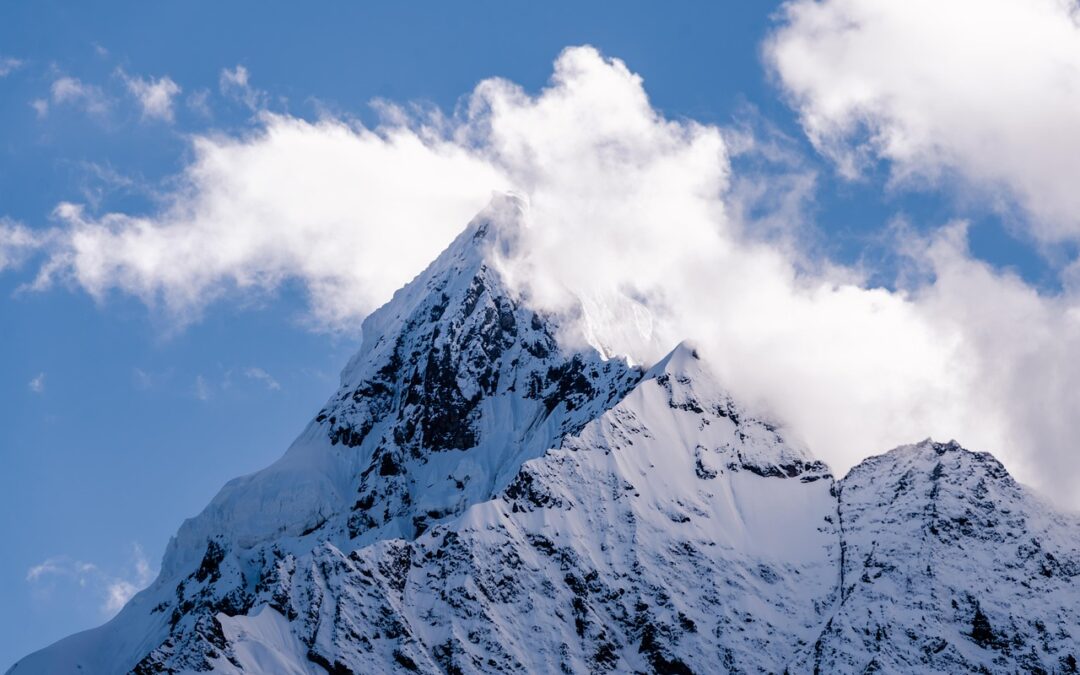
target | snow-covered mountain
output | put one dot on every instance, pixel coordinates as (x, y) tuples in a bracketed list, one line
[(949, 566), (483, 494)]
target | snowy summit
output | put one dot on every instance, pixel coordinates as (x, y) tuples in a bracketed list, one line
[(481, 496)]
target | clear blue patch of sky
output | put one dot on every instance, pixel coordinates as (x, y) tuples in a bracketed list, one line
[(105, 456)]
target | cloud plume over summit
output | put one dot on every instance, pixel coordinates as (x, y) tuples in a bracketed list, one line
[(631, 213)]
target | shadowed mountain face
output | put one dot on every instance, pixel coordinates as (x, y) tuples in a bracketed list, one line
[(478, 497)]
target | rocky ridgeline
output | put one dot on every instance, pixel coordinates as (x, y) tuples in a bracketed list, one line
[(478, 498)]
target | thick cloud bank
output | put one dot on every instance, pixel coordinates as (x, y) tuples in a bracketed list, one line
[(629, 212), (985, 89)]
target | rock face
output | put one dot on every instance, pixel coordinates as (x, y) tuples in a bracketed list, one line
[(950, 566), (479, 496)]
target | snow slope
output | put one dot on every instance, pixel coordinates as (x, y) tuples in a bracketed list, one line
[(481, 495), (950, 566)]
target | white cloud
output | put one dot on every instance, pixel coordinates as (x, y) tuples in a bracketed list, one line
[(17, 242), (40, 106), (111, 592), (352, 212), (9, 65), (37, 384), (234, 84), (142, 379), (260, 375), (119, 590), (49, 567), (155, 96), (97, 181), (202, 388), (117, 593), (146, 380), (71, 90), (986, 91), (638, 216), (199, 101)]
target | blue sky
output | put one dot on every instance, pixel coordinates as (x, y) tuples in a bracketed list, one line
[(119, 421)]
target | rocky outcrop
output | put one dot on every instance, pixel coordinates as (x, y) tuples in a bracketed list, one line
[(480, 497)]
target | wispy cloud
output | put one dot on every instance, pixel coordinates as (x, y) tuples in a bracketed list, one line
[(119, 590), (155, 96), (37, 384), (142, 379), (260, 375), (73, 91), (199, 102), (145, 380), (61, 566), (201, 388), (96, 181), (235, 84), (17, 242), (9, 65), (110, 591), (40, 106), (204, 387)]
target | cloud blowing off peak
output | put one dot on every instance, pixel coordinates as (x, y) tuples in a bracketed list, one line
[(629, 212)]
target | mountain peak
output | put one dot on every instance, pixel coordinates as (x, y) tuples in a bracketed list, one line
[(931, 458), (469, 262), (457, 382), (481, 495), (684, 358), (496, 229), (929, 445), (949, 565), (505, 215)]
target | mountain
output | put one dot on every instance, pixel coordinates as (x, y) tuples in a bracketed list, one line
[(949, 565), (486, 493)]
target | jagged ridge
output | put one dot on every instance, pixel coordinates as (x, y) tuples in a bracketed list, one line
[(477, 497)]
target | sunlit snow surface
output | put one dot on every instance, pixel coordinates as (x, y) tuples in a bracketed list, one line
[(479, 497)]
